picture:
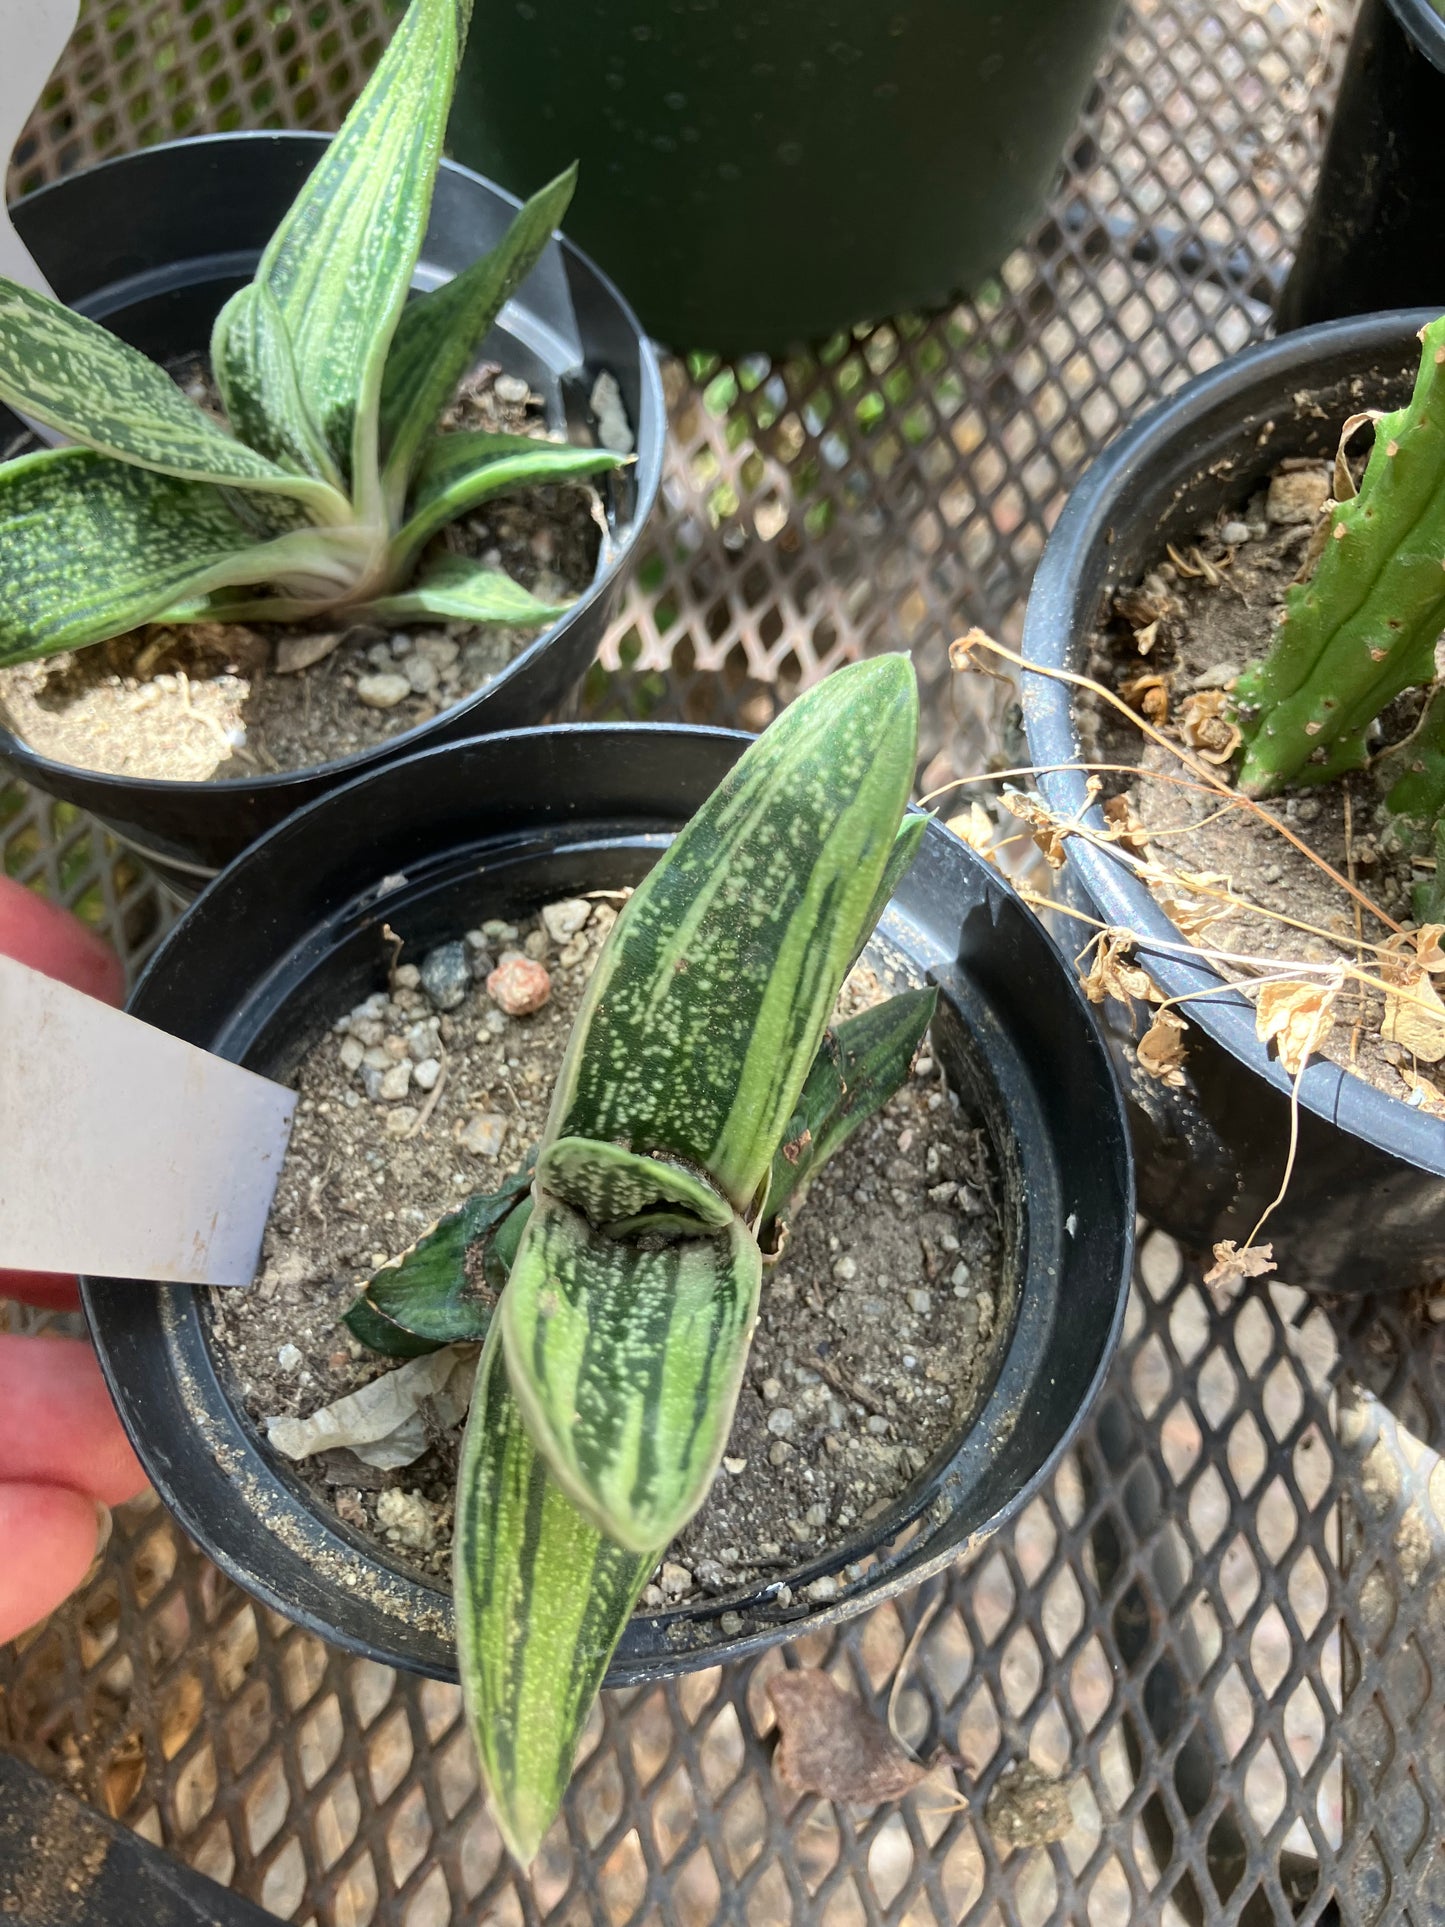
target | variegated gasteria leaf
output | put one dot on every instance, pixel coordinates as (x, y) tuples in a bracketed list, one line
[(89, 547), (463, 470), (862, 1063), (458, 590), (340, 264), (614, 1188), (256, 374), (443, 1289), (906, 845), (625, 1359), (542, 1599), (707, 1007), (60, 369), (439, 333)]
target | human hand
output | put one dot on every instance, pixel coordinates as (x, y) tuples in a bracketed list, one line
[(64, 1459)]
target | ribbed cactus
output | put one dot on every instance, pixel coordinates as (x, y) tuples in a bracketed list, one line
[(1415, 804), (1364, 627)]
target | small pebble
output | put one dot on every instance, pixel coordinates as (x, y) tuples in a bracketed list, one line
[(779, 1452), (846, 1269), (1218, 676), (784, 1595), (922, 1301), (406, 1518), (614, 431), (738, 1466), (653, 1597), (294, 653), (396, 1082), (563, 920), (823, 1589), (772, 1390), (574, 952), (383, 690), (780, 1422), (731, 1623), (1297, 496), (1233, 533), (511, 389), (401, 643), (426, 1074), (446, 975), (379, 655), (352, 1052), (519, 985), (289, 1359), (401, 1122), (816, 1515), (483, 1134), (494, 1023), (406, 977), (961, 1275), (924, 1067), (422, 675), (535, 945), (676, 1580), (878, 1425)]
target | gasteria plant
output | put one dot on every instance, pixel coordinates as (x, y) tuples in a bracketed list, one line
[(615, 1279), (326, 488)]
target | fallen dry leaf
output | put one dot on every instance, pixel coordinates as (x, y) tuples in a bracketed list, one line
[(1161, 1049), (1111, 974), (1205, 726), (1232, 1267), (1414, 1013), (1150, 696), (1297, 1017), (829, 1743), (1048, 831), (975, 827), (1125, 829), (386, 1423)]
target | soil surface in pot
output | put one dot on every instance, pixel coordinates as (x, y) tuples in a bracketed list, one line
[(219, 702), (880, 1327), (1173, 647)]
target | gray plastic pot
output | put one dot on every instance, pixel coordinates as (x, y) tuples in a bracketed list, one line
[(152, 245), (1365, 1210)]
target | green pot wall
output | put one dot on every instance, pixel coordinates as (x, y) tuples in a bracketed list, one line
[(758, 173)]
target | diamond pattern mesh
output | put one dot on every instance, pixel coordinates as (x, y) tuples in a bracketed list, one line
[(1223, 1624)]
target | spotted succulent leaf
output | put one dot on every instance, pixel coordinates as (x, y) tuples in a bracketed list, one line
[(261, 388), (906, 845), (707, 1007), (861, 1064), (439, 333), (608, 1184), (542, 1598), (442, 1290), (60, 369), (89, 547), (339, 266), (626, 1359), (463, 470), (455, 589)]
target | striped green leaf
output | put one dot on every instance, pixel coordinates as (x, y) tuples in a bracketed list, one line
[(862, 1063), (443, 1289), (261, 390), (906, 845), (542, 1599), (339, 266), (463, 470), (707, 1007), (439, 333), (612, 1187), (89, 547), (60, 369), (455, 589), (625, 1359)]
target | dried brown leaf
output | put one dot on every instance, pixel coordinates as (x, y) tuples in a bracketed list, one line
[(1414, 1013), (828, 1743), (1048, 831), (1232, 1266), (1205, 725), (1161, 1050), (1125, 829), (1112, 974), (975, 827), (1150, 696), (1297, 1017)]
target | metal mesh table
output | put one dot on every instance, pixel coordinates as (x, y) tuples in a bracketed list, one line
[(1224, 1623)]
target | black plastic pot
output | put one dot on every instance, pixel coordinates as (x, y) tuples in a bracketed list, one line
[(1371, 240), (1365, 1209), (257, 971), (152, 245), (759, 176)]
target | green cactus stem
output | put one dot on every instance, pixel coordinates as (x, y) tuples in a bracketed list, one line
[(1415, 804), (1364, 627)]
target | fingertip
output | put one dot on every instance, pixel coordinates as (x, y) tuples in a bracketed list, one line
[(54, 942), (48, 1290), (49, 1539)]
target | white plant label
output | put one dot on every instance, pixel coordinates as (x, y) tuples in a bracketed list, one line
[(127, 1153)]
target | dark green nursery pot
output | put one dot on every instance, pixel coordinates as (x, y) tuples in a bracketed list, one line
[(757, 173)]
